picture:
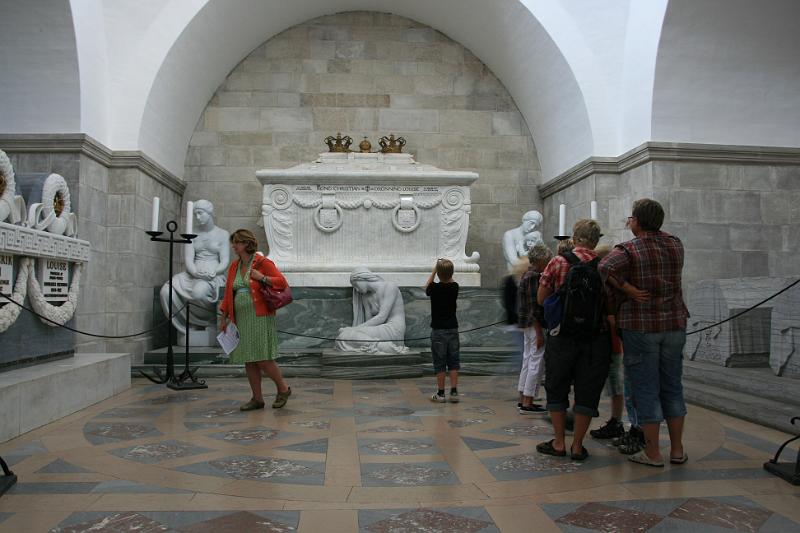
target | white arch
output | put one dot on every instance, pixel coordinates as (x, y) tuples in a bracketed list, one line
[(728, 73), (39, 85), (503, 34)]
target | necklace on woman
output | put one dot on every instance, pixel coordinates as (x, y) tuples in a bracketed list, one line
[(242, 264)]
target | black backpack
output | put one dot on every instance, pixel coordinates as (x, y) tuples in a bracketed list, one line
[(583, 299)]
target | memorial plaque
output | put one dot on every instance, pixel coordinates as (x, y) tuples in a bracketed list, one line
[(54, 279), (6, 275)]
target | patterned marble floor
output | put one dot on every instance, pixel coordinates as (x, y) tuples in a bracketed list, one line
[(356, 456)]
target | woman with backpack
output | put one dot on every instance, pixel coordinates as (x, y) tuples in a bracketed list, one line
[(578, 350)]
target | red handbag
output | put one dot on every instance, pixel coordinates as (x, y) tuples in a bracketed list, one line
[(276, 298)]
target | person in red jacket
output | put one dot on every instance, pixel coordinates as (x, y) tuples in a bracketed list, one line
[(245, 306)]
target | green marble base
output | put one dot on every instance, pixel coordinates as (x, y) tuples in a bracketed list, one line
[(359, 365)]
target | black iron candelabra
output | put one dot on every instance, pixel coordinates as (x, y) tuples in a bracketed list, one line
[(186, 380), (7, 477)]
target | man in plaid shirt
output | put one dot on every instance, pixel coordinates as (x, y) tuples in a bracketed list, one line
[(647, 269)]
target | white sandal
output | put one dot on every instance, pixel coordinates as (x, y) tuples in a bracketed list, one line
[(642, 458)]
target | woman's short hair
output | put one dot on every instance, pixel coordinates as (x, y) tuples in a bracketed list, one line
[(648, 213), (565, 246), (539, 254), (586, 232), (246, 237), (444, 269)]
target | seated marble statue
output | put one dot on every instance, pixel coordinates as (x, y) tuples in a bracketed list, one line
[(517, 241), (206, 260), (379, 319)]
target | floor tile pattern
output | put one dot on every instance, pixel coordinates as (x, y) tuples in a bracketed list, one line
[(375, 456)]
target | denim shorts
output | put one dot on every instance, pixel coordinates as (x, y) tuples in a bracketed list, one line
[(445, 348), (654, 364)]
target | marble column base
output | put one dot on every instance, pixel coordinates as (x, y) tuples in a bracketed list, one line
[(359, 365)]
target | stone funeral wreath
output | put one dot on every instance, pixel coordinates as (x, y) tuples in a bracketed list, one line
[(7, 186), (53, 214)]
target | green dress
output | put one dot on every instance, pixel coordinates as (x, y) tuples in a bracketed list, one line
[(258, 335)]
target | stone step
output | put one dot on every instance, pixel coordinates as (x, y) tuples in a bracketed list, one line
[(760, 410), (227, 371), (33, 396), (760, 383)]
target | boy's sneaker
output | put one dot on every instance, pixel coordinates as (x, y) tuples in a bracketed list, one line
[(438, 398), (532, 410), (633, 442), (454, 396), (612, 428)]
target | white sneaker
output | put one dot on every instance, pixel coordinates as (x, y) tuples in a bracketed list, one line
[(438, 399), (454, 397)]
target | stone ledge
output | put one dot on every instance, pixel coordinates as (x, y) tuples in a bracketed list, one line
[(665, 151), (85, 145), (34, 396)]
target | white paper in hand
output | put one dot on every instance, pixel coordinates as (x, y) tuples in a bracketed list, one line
[(229, 339)]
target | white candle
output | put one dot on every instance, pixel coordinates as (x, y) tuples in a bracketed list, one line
[(154, 225), (189, 217), (593, 210), (562, 220)]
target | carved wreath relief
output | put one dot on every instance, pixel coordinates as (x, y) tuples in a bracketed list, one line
[(39, 254)]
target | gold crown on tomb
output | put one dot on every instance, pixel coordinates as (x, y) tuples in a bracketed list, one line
[(338, 143), (391, 145)]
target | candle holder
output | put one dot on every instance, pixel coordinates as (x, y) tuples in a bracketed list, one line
[(8, 479), (186, 381)]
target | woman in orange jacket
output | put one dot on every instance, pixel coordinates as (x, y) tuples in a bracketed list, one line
[(245, 306)]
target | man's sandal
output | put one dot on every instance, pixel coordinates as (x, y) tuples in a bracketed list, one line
[(679, 460), (642, 458)]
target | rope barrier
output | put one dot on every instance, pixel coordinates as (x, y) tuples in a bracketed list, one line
[(31, 311), (737, 315)]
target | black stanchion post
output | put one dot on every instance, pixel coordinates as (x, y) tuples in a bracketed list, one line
[(186, 380), (8, 479), (187, 376), (788, 471)]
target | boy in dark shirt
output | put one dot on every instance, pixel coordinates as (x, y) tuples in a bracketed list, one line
[(444, 325)]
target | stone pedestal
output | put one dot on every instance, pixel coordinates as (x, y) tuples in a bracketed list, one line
[(742, 342), (359, 365), (382, 211), (784, 358), (199, 337)]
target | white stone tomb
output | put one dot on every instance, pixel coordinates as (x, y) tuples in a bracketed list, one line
[(383, 211)]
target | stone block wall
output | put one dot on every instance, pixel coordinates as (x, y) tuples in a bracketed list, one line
[(366, 74), (114, 207), (735, 220)]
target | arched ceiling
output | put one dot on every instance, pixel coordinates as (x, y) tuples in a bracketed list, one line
[(591, 79), (504, 34), (39, 86), (728, 72)]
